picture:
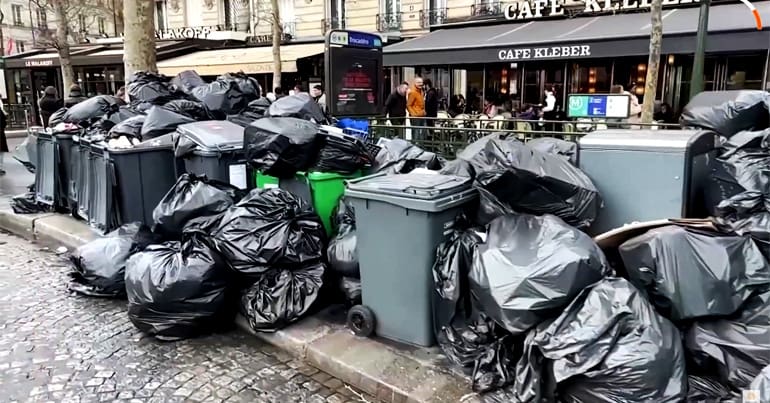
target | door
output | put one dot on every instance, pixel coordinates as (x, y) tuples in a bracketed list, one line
[(40, 80)]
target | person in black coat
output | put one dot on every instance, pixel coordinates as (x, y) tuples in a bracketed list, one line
[(395, 106), (3, 140), (48, 104), (76, 96), (431, 103)]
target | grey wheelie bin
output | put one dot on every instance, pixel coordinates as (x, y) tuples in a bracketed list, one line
[(64, 144), (47, 169), (400, 221), (82, 177), (215, 149), (143, 175), (101, 211)]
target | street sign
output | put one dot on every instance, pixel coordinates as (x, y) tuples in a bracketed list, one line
[(598, 106)]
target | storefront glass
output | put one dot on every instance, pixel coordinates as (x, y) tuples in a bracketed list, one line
[(745, 72), (590, 77), (502, 85)]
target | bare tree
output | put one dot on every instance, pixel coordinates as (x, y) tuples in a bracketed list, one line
[(653, 64), (277, 37), (139, 52), (66, 14)]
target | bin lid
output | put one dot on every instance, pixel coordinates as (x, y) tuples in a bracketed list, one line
[(639, 140), (414, 185), (213, 135), (164, 141)]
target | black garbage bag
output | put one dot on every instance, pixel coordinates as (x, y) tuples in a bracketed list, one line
[(744, 166), (221, 98), (123, 113), (517, 178), (244, 119), (746, 140), (342, 252), (259, 106), (152, 88), (761, 384), (281, 146), (280, 297), (192, 197), (99, 266), (26, 203), (343, 214), (550, 145), (736, 349), (401, 157), (300, 106), (727, 112), (91, 109), (131, 127), (57, 117), (691, 273), (342, 154), (188, 108), (160, 121), (177, 291), (531, 267), (609, 345), (351, 289), (248, 86), (187, 80), (705, 389), (747, 213), (270, 228), (467, 336)]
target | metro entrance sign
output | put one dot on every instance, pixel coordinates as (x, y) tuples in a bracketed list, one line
[(598, 106)]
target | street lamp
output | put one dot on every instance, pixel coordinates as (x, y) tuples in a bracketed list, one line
[(696, 82)]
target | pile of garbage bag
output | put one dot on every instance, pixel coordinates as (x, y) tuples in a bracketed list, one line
[(26, 203), (299, 106), (342, 253), (398, 156), (727, 112), (281, 147)]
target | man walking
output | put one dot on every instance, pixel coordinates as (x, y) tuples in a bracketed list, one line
[(395, 107), (415, 104)]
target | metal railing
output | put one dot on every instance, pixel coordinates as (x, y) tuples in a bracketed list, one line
[(449, 136), (20, 116), (388, 22), (484, 10), (429, 18)]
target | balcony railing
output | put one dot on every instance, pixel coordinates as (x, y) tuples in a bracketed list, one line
[(486, 10), (429, 18), (327, 24), (389, 22), (289, 29)]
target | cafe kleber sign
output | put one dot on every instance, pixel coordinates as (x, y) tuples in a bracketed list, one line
[(549, 52), (528, 10)]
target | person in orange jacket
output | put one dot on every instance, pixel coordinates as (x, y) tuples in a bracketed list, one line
[(415, 105)]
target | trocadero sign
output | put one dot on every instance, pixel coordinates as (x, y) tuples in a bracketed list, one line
[(532, 9)]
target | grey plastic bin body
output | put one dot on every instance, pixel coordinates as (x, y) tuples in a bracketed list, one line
[(46, 169), (645, 175), (217, 151), (83, 177), (101, 214), (400, 221), (64, 144), (143, 175)]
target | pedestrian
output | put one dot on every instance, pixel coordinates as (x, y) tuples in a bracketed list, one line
[(456, 105), (415, 105), (395, 107), (635, 110), (48, 103), (549, 108), (75, 97), (278, 91), (431, 104), (319, 96), (3, 139), (490, 109)]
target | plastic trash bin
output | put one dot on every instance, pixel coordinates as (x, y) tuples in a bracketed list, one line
[(143, 175), (321, 189), (64, 149), (215, 149), (101, 211), (82, 177), (400, 221), (262, 181), (46, 171)]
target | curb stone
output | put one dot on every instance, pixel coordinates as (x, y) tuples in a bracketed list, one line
[(391, 374)]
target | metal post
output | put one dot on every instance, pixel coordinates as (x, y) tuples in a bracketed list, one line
[(696, 82), (114, 19)]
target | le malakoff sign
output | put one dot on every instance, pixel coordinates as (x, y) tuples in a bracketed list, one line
[(529, 10)]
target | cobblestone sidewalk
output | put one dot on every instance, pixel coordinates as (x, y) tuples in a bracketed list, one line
[(55, 346)]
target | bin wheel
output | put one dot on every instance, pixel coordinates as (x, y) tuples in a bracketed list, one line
[(361, 321)]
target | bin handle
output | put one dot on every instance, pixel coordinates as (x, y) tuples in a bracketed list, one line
[(457, 196)]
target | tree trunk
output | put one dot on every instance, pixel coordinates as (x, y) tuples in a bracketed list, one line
[(139, 40), (277, 36), (653, 64), (63, 47)]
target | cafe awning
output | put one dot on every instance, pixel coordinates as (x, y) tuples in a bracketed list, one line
[(731, 28), (249, 60), (94, 55)]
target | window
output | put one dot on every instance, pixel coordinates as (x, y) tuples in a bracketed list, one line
[(42, 18), (20, 47), (16, 11), (102, 24), (161, 17), (286, 8), (82, 23), (227, 13), (390, 19)]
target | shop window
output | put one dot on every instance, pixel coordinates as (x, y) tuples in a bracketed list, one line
[(161, 15), (502, 85), (440, 79), (744, 72), (42, 18), (591, 79), (16, 12), (20, 47)]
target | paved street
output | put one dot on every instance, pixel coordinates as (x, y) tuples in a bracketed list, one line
[(55, 346)]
